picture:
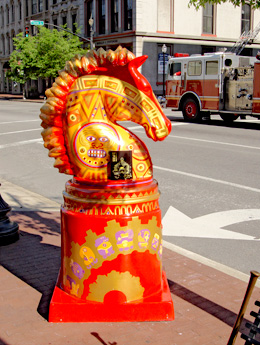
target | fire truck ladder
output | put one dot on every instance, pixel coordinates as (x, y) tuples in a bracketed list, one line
[(244, 39)]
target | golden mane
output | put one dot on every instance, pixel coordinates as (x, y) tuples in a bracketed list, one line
[(53, 110)]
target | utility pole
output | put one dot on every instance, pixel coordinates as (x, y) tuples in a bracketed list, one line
[(91, 22), (164, 51)]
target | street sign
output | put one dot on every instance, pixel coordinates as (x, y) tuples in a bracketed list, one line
[(36, 22), (160, 63)]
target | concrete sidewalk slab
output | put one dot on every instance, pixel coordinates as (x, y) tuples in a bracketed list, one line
[(206, 300), (21, 199)]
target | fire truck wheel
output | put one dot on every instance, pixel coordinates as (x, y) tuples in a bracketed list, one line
[(191, 110), (229, 118)]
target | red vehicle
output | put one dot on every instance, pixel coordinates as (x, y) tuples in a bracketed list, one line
[(215, 83)]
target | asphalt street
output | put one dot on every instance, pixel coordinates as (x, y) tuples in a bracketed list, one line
[(208, 175)]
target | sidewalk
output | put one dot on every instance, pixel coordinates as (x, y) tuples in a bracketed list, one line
[(206, 296), (11, 97)]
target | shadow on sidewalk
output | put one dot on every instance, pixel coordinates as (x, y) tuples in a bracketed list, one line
[(3, 342), (214, 309), (35, 263)]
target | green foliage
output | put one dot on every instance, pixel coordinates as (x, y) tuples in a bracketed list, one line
[(43, 55), (23, 59), (201, 3)]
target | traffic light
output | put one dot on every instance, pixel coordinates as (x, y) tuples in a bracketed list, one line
[(26, 31)]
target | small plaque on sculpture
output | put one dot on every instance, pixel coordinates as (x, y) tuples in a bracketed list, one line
[(120, 165)]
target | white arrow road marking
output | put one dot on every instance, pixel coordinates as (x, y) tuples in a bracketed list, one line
[(176, 223)]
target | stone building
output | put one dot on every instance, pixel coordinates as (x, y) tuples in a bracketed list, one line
[(15, 16), (142, 26)]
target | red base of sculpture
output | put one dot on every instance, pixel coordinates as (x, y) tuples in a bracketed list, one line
[(66, 308)]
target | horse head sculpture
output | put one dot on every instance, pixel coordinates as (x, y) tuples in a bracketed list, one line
[(80, 117)]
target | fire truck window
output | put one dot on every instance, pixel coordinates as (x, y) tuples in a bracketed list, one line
[(170, 69), (194, 68), (175, 69), (211, 67), (228, 62)]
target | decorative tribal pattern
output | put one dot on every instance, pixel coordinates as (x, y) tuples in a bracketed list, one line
[(115, 243), (83, 107)]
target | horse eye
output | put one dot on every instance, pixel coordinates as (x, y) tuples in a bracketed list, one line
[(91, 138), (103, 139), (73, 117)]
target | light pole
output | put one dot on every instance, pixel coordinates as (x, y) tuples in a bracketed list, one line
[(164, 50), (9, 231), (91, 22)]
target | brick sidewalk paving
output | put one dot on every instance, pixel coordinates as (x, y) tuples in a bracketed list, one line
[(206, 300)]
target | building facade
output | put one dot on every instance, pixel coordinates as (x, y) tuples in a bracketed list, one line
[(15, 16), (142, 26)]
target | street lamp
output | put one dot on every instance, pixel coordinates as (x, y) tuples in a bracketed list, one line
[(9, 231), (91, 22), (164, 50)]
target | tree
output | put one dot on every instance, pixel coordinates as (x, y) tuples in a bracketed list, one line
[(42, 55), (201, 3), (54, 48), (23, 59)]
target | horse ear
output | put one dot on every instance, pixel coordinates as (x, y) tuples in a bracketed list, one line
[(137, 62)]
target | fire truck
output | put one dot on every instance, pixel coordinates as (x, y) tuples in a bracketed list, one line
[(221, 83)]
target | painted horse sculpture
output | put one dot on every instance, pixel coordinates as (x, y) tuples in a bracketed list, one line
[(111, 245), (82, 109)]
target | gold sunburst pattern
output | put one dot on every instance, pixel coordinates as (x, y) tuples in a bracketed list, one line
[(123, 282)]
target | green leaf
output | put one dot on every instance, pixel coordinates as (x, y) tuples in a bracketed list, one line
[(201, 3), (43, 55)]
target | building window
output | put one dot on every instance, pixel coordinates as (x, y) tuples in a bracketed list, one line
[(55, 21), (54, 2), (2, 16), (208, 19), (7, 14), (114, 15), (102, 16), (20, 10), (46, 5), (3, 45), (12, 13), (128, 9), (74, 21), (34, 6), (8, 44), (246, 18), (12, 40), (40, 6), (64, 20), (26, 8)]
